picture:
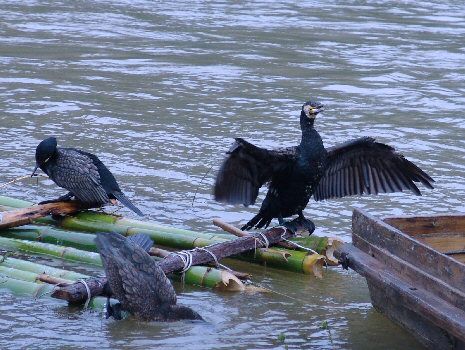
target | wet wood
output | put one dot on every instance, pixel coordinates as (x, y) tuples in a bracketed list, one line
[(25, 216), (163, 253), (428, 308), (239, 233), (416, 253), (77, 293), (411, 273), (420, 225)]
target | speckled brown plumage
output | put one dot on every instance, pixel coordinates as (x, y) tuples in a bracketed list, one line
[(138, 282)]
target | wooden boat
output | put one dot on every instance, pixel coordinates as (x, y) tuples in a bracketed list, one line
[(415, 270)]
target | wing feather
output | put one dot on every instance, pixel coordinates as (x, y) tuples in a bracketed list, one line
[(364, 166), (247, 168)]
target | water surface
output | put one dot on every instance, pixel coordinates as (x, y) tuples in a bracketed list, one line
[(158, 90)]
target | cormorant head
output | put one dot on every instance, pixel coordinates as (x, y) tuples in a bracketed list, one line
[(311, 108), (44, 151)]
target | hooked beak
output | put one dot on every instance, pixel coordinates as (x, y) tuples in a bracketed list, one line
[(317, 110), (35, 169)]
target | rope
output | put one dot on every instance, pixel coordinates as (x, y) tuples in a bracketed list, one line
[(264, 240), (186, 258), (18, 179), (294, 243), (217, 264), (89, 296)]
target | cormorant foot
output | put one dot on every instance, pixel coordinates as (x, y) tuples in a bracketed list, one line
[(65, 198), (298, 224), (114, 310)]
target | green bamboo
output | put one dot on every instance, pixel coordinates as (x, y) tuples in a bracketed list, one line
[(24, 265), (197, 275), (19, 287), (91, 221), (66, 253)]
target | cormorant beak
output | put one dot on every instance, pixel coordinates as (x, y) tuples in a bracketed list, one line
[(35, 169), (311, 111)]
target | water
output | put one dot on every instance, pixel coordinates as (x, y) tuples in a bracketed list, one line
[(159, 89)]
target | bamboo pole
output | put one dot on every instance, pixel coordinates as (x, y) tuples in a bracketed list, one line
[(91, 221), (75, 292), (200, 276), (24, 265), (19, 287), (66, 253)]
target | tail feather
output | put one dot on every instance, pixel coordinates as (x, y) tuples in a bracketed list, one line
[(142, 240), (126, 202)]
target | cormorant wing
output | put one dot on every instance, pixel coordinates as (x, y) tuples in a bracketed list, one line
[(108, 182), (77, 173), (364, 166), (246, 168), (136, 280)]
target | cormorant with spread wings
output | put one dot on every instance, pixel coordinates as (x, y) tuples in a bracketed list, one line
[(295, 174)]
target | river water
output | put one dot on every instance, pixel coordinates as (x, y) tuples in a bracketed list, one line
[(159, 89)]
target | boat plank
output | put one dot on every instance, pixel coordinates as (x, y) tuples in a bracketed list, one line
[(431, 308), (418, 254), (416, 276), (420, 225)]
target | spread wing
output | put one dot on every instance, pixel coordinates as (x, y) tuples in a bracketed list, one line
[(364, 166), (136, 280), (246, 168), (77, 173)]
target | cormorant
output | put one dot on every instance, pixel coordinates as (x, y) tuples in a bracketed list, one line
[(137, 281), (81, 173), (361, 166)]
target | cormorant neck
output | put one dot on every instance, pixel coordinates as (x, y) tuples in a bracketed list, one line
[(306, 124)]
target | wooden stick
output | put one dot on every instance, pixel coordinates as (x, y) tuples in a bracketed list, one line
[(76, 292), (43, 277), (27, 215), (239, 233), (163, 253)]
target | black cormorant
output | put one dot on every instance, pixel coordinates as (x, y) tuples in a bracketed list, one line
[(361, 166), (81, 173), (137, 281)]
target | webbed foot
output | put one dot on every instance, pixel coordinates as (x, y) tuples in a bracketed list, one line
[(65, 198), (113, 311), (299, 223)]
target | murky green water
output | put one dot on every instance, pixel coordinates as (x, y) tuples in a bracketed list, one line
[(159, 89)]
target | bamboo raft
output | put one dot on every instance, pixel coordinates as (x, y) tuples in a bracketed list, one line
[(68, 235), (415, 270)]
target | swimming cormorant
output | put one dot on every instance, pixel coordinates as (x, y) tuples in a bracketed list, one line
[(294, 174), (81, 173), (137, 281)]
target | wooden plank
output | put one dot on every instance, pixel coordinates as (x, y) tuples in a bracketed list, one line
[(435, 310), (443, 242), (427, 333), (411, 273), (419, 225), (382, 235)]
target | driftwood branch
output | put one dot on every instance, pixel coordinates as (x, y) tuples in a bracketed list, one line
[(27, 215), (77, 293), (240, 233)]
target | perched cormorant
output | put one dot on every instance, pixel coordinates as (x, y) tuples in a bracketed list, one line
[(294, 174), (137, 281), (81, 173)]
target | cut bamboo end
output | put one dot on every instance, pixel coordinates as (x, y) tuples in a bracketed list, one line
[(333, 245), (314, 264), (230, 283)]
